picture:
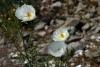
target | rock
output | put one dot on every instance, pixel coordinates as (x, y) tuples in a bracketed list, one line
[(95, 1), (57, 4), (87, 16), (42, 8), (40, 25), (53, 10), (26, 36), (93, 9), (91, 54), (79, 65), (94, 19), (52, 63), (72, 32), (78, 53), (99, 3), (59, 21), (77, 16), (82, 40), (97, 29), (44, 1), (97, 38), (58, 15), (41, 33), (46, 20), (68, 28), (46, 27), (92, 46), (88, 54), (10, 55), (43, 49), (25, 62), (71, 22), (71, 29), (80, 7), (87, 65), (91, 24), (86, 27), (94, 26), (50, 30), (70, 2), (55, 7), (72, 59), (52, 22), (13, 55), (93, 37), (73, 39), (5, 63), (2, 41), (65, 14), (75, 45), (2, 60), (98, 10), (97, 60), (86, 38), (95, 53)]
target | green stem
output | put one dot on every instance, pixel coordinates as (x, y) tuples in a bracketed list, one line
[(5, 28), (12, 39), (21, 37), (29, 44), (18, 49)]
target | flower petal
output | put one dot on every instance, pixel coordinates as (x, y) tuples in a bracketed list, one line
[(57, 48), (60, 32), (25, 13)]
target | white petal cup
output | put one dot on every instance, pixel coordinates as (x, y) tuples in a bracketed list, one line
[(25, 13), (61, 34), (57, 48)]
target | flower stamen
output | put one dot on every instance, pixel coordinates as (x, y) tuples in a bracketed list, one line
[(62, 35), (28, 15)]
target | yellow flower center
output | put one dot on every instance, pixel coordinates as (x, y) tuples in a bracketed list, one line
[(9, 19), (28, 15), (62, 35), (13, 10)]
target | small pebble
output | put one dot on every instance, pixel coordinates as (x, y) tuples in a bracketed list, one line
[(79, 66)]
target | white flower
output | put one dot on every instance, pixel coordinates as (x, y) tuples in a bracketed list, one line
[(61, 34), (57, 48), (25, 13)]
